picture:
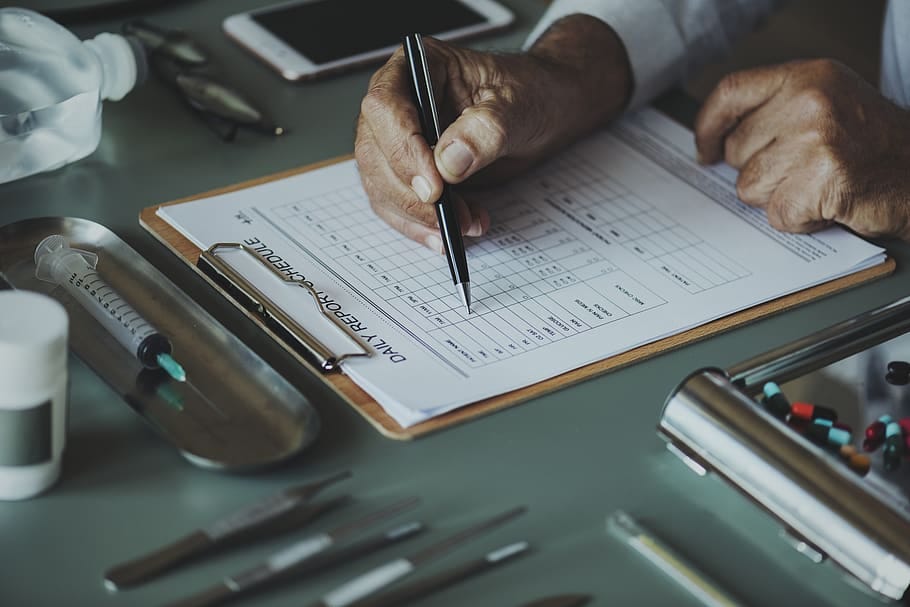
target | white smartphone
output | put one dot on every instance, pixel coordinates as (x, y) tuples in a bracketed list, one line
[(303, 39)]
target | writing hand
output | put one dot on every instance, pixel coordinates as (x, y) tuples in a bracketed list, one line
[(505, 112), (814, 144)]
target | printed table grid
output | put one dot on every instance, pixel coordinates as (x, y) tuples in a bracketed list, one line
[(623, 218), (533, 281)]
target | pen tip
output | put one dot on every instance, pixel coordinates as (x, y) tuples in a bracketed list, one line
[(464, 289)]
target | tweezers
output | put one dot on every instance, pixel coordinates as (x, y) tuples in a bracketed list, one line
[(280, 512), (372, 581), (302, 555), (435, 583)]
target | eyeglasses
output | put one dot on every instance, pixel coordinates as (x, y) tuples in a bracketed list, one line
[(184, 64)]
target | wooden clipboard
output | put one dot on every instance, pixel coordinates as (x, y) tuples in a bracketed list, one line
[(366, 406)]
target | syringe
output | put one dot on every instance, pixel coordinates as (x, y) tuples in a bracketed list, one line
[(74, 269)]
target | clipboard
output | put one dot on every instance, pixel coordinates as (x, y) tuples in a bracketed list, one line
[(364, 404)]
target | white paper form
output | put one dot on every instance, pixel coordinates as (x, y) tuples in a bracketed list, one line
[(619, 241)]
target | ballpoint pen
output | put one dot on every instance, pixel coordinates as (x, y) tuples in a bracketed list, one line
[(449, 227)]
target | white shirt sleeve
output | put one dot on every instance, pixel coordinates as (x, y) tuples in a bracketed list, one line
[(666, 39), (895, 65)]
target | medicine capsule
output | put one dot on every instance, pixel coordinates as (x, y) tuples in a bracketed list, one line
[(833, 424), (894, 446), (875, 433), (858, 462), (812, 412), (798, 424), (905, 431), (775, 401), (820, 433)]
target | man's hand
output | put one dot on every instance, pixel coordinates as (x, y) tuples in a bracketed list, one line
[(506, 113), (814, 144)]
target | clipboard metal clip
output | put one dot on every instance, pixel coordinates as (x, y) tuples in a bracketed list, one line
[(291, 333)]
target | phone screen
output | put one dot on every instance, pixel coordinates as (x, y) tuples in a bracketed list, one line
[(328, 30)]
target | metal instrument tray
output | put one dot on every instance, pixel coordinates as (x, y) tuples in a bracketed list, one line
[(714, 421), (234, 412)]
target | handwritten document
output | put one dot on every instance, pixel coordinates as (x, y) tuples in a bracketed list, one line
[(620, 241)]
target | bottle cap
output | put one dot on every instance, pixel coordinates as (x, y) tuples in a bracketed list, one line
[(123, 64)]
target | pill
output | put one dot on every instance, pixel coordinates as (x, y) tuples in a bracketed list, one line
[(798, 424), (775, 401), (892, 452), (821, 434), (875, 433), (905, 430), (894, 446), (833, 424), (858, 462), (812, 412)]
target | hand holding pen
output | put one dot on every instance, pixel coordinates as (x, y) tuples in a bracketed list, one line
[(396, 162), (510, 111)]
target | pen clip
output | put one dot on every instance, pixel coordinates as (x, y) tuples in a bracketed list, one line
[(288, 330)]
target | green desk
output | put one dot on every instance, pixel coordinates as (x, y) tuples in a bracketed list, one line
[(573, 456)]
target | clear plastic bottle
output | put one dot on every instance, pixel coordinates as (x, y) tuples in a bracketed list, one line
[(51, 88)]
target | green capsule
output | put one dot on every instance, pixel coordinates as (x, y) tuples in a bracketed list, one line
[(894, 447)]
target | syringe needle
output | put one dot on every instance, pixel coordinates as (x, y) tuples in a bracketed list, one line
[(173, 368)]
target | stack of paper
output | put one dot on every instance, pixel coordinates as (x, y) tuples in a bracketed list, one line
[(620, 241)]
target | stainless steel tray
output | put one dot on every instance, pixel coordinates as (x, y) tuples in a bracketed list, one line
[(713, 421), (234, 412)]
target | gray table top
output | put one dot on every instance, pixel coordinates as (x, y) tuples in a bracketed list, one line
[(573, 457)]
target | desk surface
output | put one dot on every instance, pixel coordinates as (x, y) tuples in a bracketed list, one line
[(573, 457)]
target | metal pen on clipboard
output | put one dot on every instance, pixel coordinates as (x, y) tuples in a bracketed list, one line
[(282, 325)]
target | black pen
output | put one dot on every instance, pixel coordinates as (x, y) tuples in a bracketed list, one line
[(422, 86)]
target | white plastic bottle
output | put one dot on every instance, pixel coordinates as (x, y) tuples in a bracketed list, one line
[(51, 88), (33, 373)]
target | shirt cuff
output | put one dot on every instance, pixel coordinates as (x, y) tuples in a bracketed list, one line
[(652, 39)]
